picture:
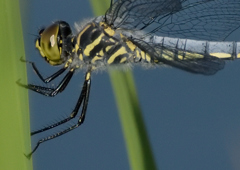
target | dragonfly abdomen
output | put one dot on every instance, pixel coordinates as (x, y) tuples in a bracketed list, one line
[(187, 49)]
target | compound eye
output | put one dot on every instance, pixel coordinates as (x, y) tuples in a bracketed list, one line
[(48, 44), (41, 31)]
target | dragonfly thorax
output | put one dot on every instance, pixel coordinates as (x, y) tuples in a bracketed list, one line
[(98, 45)]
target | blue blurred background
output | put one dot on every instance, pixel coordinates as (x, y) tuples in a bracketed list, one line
[(192, 120)]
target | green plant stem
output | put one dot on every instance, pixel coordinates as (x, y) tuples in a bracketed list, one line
[(14, 114), (138, 147)]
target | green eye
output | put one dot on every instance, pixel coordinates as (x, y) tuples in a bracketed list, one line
[(50, 42)]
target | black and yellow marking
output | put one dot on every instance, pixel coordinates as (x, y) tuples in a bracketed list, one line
[(117, 54), (120, 37), (96, 42)]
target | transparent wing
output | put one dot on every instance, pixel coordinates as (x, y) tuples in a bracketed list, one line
[(191, 62), (198, 19), (136, 14), (208, 65)]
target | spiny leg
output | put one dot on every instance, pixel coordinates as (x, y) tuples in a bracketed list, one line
[(48, 79), (71, 116), (84, 96), (50, 91)]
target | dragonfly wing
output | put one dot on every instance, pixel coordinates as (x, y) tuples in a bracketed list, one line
[(201, 19), (136, 14), (190, 61)]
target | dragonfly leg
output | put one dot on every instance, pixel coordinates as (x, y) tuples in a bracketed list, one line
[(51, 92), (48, 79), (82, 100)]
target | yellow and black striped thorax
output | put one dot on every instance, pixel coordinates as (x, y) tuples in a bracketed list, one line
[(99, 43)]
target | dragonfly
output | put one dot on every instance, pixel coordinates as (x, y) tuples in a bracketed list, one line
[(185, 34)]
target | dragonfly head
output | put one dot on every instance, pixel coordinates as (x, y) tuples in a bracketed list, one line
[(53, 42)]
